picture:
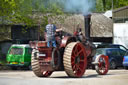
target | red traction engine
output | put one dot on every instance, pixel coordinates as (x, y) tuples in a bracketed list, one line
[(71, 56)]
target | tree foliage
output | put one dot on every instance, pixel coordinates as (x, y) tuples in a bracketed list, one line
[(103, 5), (21, 11)]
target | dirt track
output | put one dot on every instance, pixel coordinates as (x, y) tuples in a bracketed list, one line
[(114, 77)]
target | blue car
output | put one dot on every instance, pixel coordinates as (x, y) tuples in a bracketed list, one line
[(112, 46), (125, 61), (115, 56)]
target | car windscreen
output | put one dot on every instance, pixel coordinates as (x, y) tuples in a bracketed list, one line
[(16, 51), (100, 51)]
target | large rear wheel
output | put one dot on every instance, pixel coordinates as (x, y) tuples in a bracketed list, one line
[(103, 65), (36, 67), (75, 59)]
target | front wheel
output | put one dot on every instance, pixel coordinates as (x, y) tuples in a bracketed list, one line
[(103, 65), (36, 66)]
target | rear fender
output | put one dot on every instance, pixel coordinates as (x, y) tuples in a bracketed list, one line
[(67, 40)]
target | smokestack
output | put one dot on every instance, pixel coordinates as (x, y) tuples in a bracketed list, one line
[(87, 20)]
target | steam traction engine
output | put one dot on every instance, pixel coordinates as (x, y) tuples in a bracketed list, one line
[(71, 56)]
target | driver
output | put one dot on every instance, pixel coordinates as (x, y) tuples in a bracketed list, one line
[(50, 33)]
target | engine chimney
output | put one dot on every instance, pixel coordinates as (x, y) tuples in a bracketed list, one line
[(87, 20)]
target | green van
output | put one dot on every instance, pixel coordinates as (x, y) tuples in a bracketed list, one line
[(19, 55)]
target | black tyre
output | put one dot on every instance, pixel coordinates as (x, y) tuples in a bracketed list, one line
[(13, 68), (55, 58), (113, 65), (126, 67)]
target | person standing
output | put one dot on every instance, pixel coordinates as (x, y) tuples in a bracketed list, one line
[(50, 34)]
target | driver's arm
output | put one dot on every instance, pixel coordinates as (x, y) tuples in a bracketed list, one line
[(58, 30)]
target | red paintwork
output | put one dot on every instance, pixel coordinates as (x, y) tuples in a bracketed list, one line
[(42, 44), (47, 51), (81, 49), (80, 66), (75, 33), (64, 41), (103, 69), (45, 61)]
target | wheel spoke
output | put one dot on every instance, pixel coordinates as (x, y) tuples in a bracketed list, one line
[(99, 64), (75, 50), (102, 68), (79, 52), (74, 54), (73, 60), (77, 65), (73, 67), (82, 61), (73, 57), (76, 69), (80, 69), (73, 63)]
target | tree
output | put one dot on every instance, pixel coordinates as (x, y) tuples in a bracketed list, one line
[(103, 5), (120, 3), (23, 12), (20, 11)]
